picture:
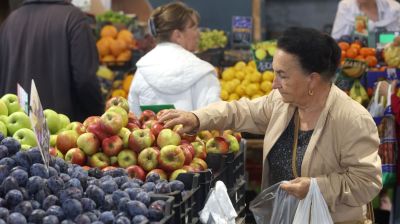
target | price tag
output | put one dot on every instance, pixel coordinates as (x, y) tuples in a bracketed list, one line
[(39, 125), (391, 73), (242, 27), (264, 65), (23, 98)]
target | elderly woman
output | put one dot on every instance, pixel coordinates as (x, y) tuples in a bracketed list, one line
[(171, 73), (311, 127)]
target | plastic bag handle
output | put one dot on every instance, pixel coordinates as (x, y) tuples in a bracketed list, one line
[(389, 96), (376, 96)]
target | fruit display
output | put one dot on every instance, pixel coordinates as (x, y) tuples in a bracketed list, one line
[(243, 80), (264, 49), (357, 51), (113, 17), (358, 93), (120, 88), (67, 193), (210, 39), (115, 46), (391, 53)]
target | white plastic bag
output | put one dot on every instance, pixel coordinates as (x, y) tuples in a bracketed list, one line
[(313, 209), (274, 205), (377, 105), (218, 208)]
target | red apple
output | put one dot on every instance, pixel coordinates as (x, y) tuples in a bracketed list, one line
[(122, 112), (147, 115), (76, 126), (76, 156), (86, 168), (89, 143), (91, 120), (99, 160), (55, 152), (132, 126), (189, 168), (148, 124), (176, 173), (200, 162), (96, 129), (216, 133), (156, 128), (66, 140), (111, 122), (112, 146), (199, 149), (168, 137), (196, 167), (148, 158), (234, 145), (118, 101), (205, 135), (189, 147), (140, 139), (171, 158), (217, 145), (136, 171), (188, 153), (127, 158), (133, 119), (107, 168), (160, 172), (188, 138), (238, 136)]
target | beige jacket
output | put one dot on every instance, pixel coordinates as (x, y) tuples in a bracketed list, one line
[(342, 153)]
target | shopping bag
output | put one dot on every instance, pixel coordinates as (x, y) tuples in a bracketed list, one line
[(274, 205), (377, 105), (313, 209), (218, 208)]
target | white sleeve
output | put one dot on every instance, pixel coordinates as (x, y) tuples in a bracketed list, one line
[(206, 91), (344, 20), (133, 97)]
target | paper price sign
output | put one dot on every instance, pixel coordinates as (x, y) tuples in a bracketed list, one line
[(242, 27), (39, 125), (23, 98)]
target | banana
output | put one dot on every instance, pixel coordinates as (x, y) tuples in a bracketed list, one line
[(354, 68), (358, 92)]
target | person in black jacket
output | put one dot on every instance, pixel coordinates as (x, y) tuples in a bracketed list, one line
[(51, 42)]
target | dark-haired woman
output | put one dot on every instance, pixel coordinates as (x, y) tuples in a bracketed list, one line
[(171, 73), (311, 127)]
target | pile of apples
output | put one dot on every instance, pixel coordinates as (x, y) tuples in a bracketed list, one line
[(244, 80), (141, 145)]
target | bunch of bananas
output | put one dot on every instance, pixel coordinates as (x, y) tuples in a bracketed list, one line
[(354, 68), (358, 93)]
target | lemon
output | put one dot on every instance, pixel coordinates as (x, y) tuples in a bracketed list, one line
[(240, 66), (240, 90), (233, 96), (255, 77), (252, 64), (260, 54), (266, 86), (246, 82), (228, 74), (230, 87), (236, 82), (240, 75), (249, 70), (224, 95), (251, 89), (268, 76)]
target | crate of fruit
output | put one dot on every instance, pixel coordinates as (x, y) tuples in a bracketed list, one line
[(262, 54)]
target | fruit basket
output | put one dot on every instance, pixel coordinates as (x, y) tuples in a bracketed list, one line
[(262, 53)]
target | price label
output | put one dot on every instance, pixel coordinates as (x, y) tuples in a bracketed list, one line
[(264, 65), (23, 98), (39, 125), (242, 27)]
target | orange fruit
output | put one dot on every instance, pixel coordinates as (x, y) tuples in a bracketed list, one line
[(356, 45), (344, 45), (371, 61), (351, 53), (343, 55), (109, 31), (119, 92), (126, 84), (126, 36), (108, 58), (124, 56), (360, 58), (103, 47), (117, 47), (366, 51)]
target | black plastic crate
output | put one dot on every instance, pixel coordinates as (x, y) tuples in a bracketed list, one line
[(168, 212), (215, 161), (237, 195), (184, 205), (204, 188), (219, 176)]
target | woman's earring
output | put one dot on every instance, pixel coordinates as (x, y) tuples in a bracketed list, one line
[(310, 92)]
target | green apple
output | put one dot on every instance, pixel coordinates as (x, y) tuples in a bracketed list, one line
[(11, 100), (3, 108), (176, 173), (122, 112), (64, 120), (52, 120), (124, 135), (260, 54), (53, 140), (89, 143), (4, 119), (127, 158), (25, 136), (234, 145), (3, 128), (16, 121), (25, 147)]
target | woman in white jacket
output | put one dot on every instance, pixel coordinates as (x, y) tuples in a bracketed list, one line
[(384, 14), (171, 73)]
